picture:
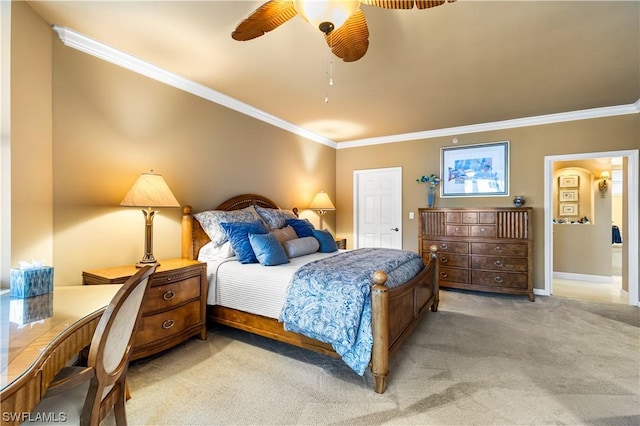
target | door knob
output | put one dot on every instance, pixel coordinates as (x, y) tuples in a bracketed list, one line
[(395, 229)]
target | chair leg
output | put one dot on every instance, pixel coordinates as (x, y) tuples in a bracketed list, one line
[(119, 409)]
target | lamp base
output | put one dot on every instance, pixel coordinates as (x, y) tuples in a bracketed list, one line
[(142, 263)]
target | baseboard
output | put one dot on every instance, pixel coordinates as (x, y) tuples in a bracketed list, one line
[(582, 277)]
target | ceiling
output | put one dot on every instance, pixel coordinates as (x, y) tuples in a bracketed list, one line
[(459, 64)]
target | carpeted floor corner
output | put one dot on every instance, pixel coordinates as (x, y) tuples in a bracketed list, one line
[(480, 360)]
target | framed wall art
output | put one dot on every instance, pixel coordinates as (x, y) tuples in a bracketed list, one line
[(568, 181), (475, 170), (568, 195), (568, 209)]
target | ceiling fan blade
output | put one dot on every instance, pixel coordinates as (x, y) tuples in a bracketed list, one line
[(405, 4), (351, 40), (267, 17)]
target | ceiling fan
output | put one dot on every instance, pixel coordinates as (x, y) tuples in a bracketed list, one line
[(342, 21)]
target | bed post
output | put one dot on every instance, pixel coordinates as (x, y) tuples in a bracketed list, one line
[(436, 277), (187, 233), (380, 325)]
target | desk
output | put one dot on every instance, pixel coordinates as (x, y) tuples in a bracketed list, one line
[(32, 353)]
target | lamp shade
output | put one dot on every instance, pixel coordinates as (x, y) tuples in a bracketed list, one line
[(605, 175), (317, 12), (150, 190), (321, 202)]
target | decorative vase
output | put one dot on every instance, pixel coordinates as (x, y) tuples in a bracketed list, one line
[(518, 201), (431, 196)]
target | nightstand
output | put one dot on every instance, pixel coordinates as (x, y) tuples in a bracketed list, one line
[(342, 243), (174, 308)]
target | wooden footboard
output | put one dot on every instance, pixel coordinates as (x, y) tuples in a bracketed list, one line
[(395, 312)]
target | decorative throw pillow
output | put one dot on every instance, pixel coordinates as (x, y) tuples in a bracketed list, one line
[(326, 240), (268, 249), (238, 233), (211, 221), (210, 253), (303, 227), (285, 234), (275, 218), (301, 246)]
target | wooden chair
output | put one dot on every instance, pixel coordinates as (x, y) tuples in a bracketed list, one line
[(85, 395)]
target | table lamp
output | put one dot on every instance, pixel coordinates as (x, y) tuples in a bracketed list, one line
[(321, 204), (149, 191)]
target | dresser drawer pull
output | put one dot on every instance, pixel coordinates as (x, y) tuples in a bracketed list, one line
[(443, 259), (498, 264), (169, 295), (483, 231), (457, 230), (444, 246), (498, 280), (444, 274), (497, 249), (167, 324)]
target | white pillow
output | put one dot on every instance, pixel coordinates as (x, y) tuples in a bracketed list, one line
[(301, 246), (211, 220), (210, 252)]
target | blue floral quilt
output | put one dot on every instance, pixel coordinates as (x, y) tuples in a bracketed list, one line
[(329, 300)]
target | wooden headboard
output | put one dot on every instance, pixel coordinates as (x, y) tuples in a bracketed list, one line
[(194, 237)]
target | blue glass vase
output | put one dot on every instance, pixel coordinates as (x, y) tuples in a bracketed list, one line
[(431, 196)]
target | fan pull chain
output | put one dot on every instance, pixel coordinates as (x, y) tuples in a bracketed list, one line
[(329, 69)]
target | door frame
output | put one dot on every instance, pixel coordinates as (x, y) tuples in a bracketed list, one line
[(631, 225), (356, 204)]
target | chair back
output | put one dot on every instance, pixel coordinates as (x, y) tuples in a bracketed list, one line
[(111, 346)]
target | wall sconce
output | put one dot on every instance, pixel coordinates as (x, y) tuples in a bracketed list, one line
[(150, 190), (321, 204), (603, 184)]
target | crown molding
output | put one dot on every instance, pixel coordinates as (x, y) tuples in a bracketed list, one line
[(117, 57), (85, 44)]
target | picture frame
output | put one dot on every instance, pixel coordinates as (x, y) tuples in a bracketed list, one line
[(568, 209), (480, 170), (568, 195), (569, 181)]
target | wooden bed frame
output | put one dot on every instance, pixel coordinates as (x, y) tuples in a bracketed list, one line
[(395, 312)]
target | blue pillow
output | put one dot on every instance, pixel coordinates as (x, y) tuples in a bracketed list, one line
[(238, 233), (268, 249), (303, 227), (326, 240)]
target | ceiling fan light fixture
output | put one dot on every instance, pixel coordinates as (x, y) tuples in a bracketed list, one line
[(326, 15)]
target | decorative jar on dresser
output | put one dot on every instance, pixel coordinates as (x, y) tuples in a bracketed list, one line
[(173, 309), (482, 249)]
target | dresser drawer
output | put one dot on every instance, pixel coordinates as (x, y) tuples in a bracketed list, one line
[(499, 279), (453, 260), (446, 246), (499, 249), (454, 275), (457, 230), (487, 231), (162, 297), (163, 325), (514, 264)]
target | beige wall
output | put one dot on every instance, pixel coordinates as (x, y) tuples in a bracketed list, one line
[(529, 146), (31, 140), (109, 125)]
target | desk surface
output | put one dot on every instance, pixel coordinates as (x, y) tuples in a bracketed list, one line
[(29, 327)]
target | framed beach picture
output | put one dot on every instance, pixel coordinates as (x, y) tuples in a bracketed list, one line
[(568, 195), (475, 170), (568, 181), (568, 209)]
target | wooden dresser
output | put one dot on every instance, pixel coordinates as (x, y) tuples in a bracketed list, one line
[(483, 249), (174, 308)]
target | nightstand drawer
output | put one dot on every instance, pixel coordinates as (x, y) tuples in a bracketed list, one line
[(154, 328), (162, 297)]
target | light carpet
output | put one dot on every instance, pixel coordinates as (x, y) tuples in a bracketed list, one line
[(480, 360)]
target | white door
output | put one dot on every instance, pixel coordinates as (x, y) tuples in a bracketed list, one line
[(378, 208)]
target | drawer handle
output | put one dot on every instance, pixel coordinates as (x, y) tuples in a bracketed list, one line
[(443, 259), (498, 264), (483, 231), (444, 274), (167, 324), (497, 249), (457, 230), (444, 246), (169, 295), (498, 280)]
